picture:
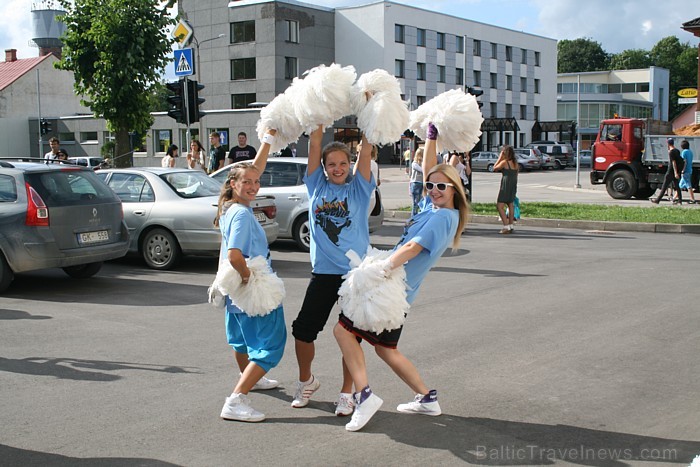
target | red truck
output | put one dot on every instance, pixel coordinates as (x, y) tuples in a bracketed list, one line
[(631, 163)]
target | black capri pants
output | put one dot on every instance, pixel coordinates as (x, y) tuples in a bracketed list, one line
[(321, 295)]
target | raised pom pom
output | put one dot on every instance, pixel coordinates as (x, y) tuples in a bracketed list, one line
[(381, 114), (323, 96), (456, 116), (279, 115), (372, 299), (262, 294)]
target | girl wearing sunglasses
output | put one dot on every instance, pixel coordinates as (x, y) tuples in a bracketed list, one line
[(442, 215)]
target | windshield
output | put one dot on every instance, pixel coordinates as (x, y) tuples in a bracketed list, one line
[(192, 184)]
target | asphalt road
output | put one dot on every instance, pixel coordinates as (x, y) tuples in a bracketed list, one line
[(549, 346)]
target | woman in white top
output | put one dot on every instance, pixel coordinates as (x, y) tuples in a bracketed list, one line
[(463, 170), (195, 158), (416, 185), (170, 155)]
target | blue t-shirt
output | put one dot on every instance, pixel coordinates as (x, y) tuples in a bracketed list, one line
[(338, 220), (241, 230), (432, 228), (687, 154)]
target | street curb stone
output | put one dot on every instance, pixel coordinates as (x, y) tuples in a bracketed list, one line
[(575, 224)]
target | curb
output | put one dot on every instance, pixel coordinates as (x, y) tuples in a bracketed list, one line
[(605, 226)]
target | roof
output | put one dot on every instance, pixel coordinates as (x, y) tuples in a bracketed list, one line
[(12, 71), (692, 24)]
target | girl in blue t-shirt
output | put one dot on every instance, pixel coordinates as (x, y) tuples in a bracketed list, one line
[(439, 223), (686, 174), (262, 338), (338, 222)]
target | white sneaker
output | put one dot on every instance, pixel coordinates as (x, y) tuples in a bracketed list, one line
[(304, 391), (424, 408), (345, 405), (363, 412), (264, 384), (237, 407)]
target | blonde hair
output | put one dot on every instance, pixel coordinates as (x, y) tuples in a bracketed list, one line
[(460, 199), (418, 156), (226, 197)]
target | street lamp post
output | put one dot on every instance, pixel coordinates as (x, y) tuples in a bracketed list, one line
[(196, 70), (578, 133)]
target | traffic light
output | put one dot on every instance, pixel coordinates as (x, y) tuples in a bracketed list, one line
[(194, 101), (476, 93), (45, 126), (176, 99)]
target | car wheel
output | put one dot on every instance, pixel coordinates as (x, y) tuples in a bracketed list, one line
[(301, 232), (560, 166), (490, 168), (621, 184), (521, 167), (83, 271), (160, 249), (6, 275)]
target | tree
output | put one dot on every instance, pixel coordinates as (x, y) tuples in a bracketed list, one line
[(681, 61), (117, 51), (580, 55), (630, 59)]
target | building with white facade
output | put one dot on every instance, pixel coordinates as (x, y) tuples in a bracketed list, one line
[(641, 93)]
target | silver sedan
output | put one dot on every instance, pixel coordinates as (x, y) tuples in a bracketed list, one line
[(170, 212)]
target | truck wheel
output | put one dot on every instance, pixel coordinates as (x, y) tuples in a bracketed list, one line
[(301, 232), (644, 193), (621, 184), (160, 249)]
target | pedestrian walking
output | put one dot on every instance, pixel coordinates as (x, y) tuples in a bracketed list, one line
[(673, 174), (687, 171)]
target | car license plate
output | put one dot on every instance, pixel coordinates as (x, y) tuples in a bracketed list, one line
[(93, 237), (261, 217)]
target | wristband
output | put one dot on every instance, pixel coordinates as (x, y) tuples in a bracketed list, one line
[(268, 138), (432, 132)]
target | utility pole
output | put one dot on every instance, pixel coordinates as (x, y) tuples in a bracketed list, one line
[(38, 96)]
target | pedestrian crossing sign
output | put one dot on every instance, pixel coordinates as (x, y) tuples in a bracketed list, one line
[(184, 63)]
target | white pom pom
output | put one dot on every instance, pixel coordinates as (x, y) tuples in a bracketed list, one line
[(456, 116), (263, 293), (279, 115), (384, 117), (323, 96), (372, 300)]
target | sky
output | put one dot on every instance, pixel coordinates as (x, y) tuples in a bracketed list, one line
[(616, 24)]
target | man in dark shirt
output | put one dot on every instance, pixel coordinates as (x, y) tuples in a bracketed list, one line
[(242, 152), (216, 152), (673, 173)]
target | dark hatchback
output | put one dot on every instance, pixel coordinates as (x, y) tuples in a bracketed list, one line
[(57, 216)]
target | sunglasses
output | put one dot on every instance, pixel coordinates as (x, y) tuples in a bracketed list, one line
[(439, 186)]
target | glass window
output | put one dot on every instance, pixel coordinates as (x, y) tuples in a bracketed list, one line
[(537, 59), (185, 140), (476, 48), (494, 50), (131, 188), (628, 87), (441, 74), (420, 37), (69, 188), (8, 189), (494, 80), (161, 140), (280, 174), (509, 53), (192, 184), (509, 110), (242, 68), (441, 41), (66, 137), (242, 31), (459, 40), (494, 110), (108, 136), (523, 112), (88, 136), (537, 112), (242, 101), (477, 78), (420, 100), (459, 76), (139, 142), (292, 31), (614, 88), (537, 86), (523, 84), (642, 87), (399, 69), (523, 56), (399, 33), (509, 82), (291, 68), (420, 71)]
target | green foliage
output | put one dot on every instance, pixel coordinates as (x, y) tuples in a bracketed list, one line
[(681, 61), (158, 99), (117, 51), (580, 55), (630, 59), (107, 150)]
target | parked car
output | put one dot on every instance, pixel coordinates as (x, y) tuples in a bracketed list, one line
[(528, 159), (284, 179), (170, 212), (92, 162), (484, 160), (57, 216), (585, 156), (563, 153)]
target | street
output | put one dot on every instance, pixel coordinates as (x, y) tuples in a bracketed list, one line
[(551, 346)]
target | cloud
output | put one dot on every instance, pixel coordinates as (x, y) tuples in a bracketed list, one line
[(16, 28)]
